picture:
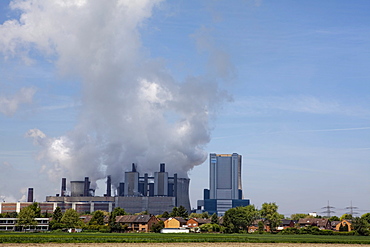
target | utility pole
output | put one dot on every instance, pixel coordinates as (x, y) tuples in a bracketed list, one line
[(328, 210)]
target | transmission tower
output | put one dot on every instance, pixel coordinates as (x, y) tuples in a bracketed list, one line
[(351, 209), (328, 210)]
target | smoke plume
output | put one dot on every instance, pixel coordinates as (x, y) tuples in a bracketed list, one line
[(133, 110)]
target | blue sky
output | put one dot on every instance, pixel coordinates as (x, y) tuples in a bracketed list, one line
[(284, 83)]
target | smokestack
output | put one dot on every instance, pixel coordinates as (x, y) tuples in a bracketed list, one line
[(121, 189), (133, 167), (109, 186), (64, 187), (30, 195), (86, 187), (162, 167)]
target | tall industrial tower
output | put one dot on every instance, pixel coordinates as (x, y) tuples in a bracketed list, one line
[(225, 184)]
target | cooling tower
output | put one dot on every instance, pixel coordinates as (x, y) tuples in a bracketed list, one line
[(183, 193), (77, 188)]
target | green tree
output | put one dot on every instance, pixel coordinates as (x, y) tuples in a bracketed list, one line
[(334, 218), (205, 215), (299, 216), (346, 217), (114, 226), (57, 214), (270, 215), (182, 212), (165, 215), (157, 227), (98, 218), (71, 219), (26, 218), (360, 226), (195, 215), (214, 219), (36, 208), (174, 212), (239, 218), (366, 217)]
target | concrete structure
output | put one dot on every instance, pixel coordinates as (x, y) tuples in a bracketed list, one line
[(225, 184), (136, 194)]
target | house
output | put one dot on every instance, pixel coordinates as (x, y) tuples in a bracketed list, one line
[(175, 222), (344, 226), (320, 223), (196, 222), (254, 226), (285, 224), (137, 223)]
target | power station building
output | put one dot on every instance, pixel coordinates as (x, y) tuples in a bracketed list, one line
[(225, 184), (154, 194)]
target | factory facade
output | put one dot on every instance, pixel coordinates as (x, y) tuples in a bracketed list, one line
[(225, 184)]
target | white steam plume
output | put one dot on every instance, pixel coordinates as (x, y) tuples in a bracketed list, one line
[(132, 109)]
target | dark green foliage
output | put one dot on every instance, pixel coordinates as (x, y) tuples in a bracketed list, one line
[(239, 218), (343, 228), (210, 227), (261, 227), (360, 226), (309, 230), (270, 215), (71, 219), (98, 218), (214, 219), (366, 217), (157, 227), (298, 216), (115, 227), (165, 215), (346, 217), (26, 217), (205, 215), (57, 214), (334, 218), (290, 230), (179, 212), (10, 215), (36, 208)]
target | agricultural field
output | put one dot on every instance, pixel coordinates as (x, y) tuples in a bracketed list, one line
[(183, 245), (153, 239)]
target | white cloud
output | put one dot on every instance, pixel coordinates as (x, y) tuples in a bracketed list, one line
[(10, 104)]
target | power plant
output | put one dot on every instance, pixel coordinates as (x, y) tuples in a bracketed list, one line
[(154, 194)]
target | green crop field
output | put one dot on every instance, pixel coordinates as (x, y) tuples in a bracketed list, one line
[(12, 237)]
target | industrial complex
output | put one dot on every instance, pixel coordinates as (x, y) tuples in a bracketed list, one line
[(155, 194)]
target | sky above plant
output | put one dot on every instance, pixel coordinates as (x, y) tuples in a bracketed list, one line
[(89, 87)]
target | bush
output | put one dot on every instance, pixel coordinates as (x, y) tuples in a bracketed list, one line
[(290, 230)]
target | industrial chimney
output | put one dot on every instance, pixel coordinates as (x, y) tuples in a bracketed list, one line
[(64, 187), (30, 195), (109, 186), (86, 187)]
